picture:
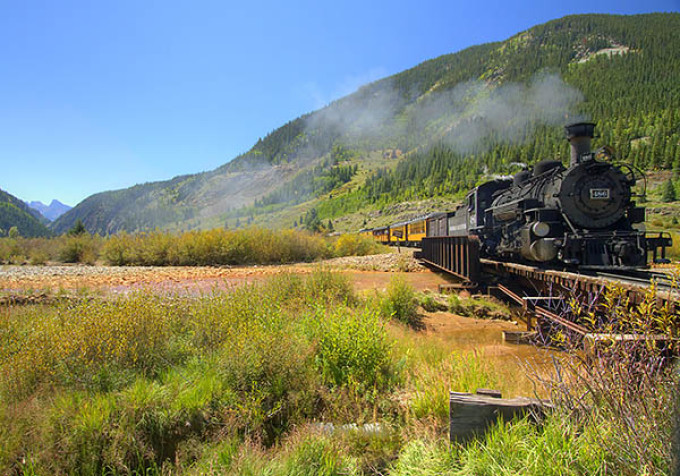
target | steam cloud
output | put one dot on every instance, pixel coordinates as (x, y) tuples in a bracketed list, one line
[(461, 117), (380, 115)]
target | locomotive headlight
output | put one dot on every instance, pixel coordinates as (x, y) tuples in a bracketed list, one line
[(540, 229)]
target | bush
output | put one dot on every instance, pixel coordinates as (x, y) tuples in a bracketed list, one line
[(400, 302), (430, 304), (478, 307), (81, 248), (324, 286), (132, 383), (625, 387), (354, 349), (214, 247), (358, 245)]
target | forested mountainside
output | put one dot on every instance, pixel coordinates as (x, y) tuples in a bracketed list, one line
[(444, 124), (15, 213)]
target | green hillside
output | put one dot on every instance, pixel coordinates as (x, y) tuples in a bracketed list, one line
[(15, 213), (435, 130)]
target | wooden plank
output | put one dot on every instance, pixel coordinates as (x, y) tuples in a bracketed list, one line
[(518, 337), (542, 312), (471, 415)]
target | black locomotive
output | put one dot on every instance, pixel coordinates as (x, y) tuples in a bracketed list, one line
[(581, 215)]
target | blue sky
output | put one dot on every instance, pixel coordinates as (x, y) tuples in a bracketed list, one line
[(101, 95)]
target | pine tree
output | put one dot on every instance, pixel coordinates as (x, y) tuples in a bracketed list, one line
[(668, 192), (77, 229)]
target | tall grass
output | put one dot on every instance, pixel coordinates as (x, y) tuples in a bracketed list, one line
[(214, 247), (281, 378), (140, 382), (556, 448), (192, 248)]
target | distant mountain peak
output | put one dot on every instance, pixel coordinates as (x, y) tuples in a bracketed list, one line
[(52, 211)]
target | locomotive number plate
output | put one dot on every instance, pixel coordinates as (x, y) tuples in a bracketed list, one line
[(599, 194)]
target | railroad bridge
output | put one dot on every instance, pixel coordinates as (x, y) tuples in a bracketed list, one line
[(538, 290)]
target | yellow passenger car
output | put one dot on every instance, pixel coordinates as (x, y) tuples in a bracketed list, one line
[(416, 231), (382, 234), (399, 233)]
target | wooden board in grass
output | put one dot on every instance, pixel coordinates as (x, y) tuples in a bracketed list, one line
[(471, 414)]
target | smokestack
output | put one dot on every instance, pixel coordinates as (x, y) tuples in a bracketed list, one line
[(579, 136)]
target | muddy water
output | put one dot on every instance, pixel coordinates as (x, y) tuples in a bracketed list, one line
[(518, 364)]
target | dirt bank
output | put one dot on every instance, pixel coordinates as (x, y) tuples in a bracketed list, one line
[(370, 271)]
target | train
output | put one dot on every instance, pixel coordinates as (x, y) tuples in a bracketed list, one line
[(580, 216)]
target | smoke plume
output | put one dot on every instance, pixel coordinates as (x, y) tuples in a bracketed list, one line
[(463, 117)]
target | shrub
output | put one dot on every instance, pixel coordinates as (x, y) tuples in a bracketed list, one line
[(354, 349), (431, 304), (400, 302), (81, 248), (214, 247), (358, 245), (325, 286), (478, 307), (625, 387), (79, 344)]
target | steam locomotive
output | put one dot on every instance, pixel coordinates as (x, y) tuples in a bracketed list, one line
[(580, 216)]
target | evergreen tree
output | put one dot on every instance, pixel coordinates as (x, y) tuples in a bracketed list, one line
[(77, 229), (312, 221), (668, 192)]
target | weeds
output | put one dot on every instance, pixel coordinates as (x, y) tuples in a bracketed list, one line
[(624, 384), (431, 304), (477, 306), (400, 302), (133, 384), (263, 379), (354, 350)]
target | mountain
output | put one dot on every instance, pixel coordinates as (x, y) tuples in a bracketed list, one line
[(15, 213), (52, 211), (435, 130)]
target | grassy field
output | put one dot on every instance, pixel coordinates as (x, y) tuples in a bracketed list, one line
[(296, 375)]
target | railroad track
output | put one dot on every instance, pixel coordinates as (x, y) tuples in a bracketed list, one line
[(663, 281)]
